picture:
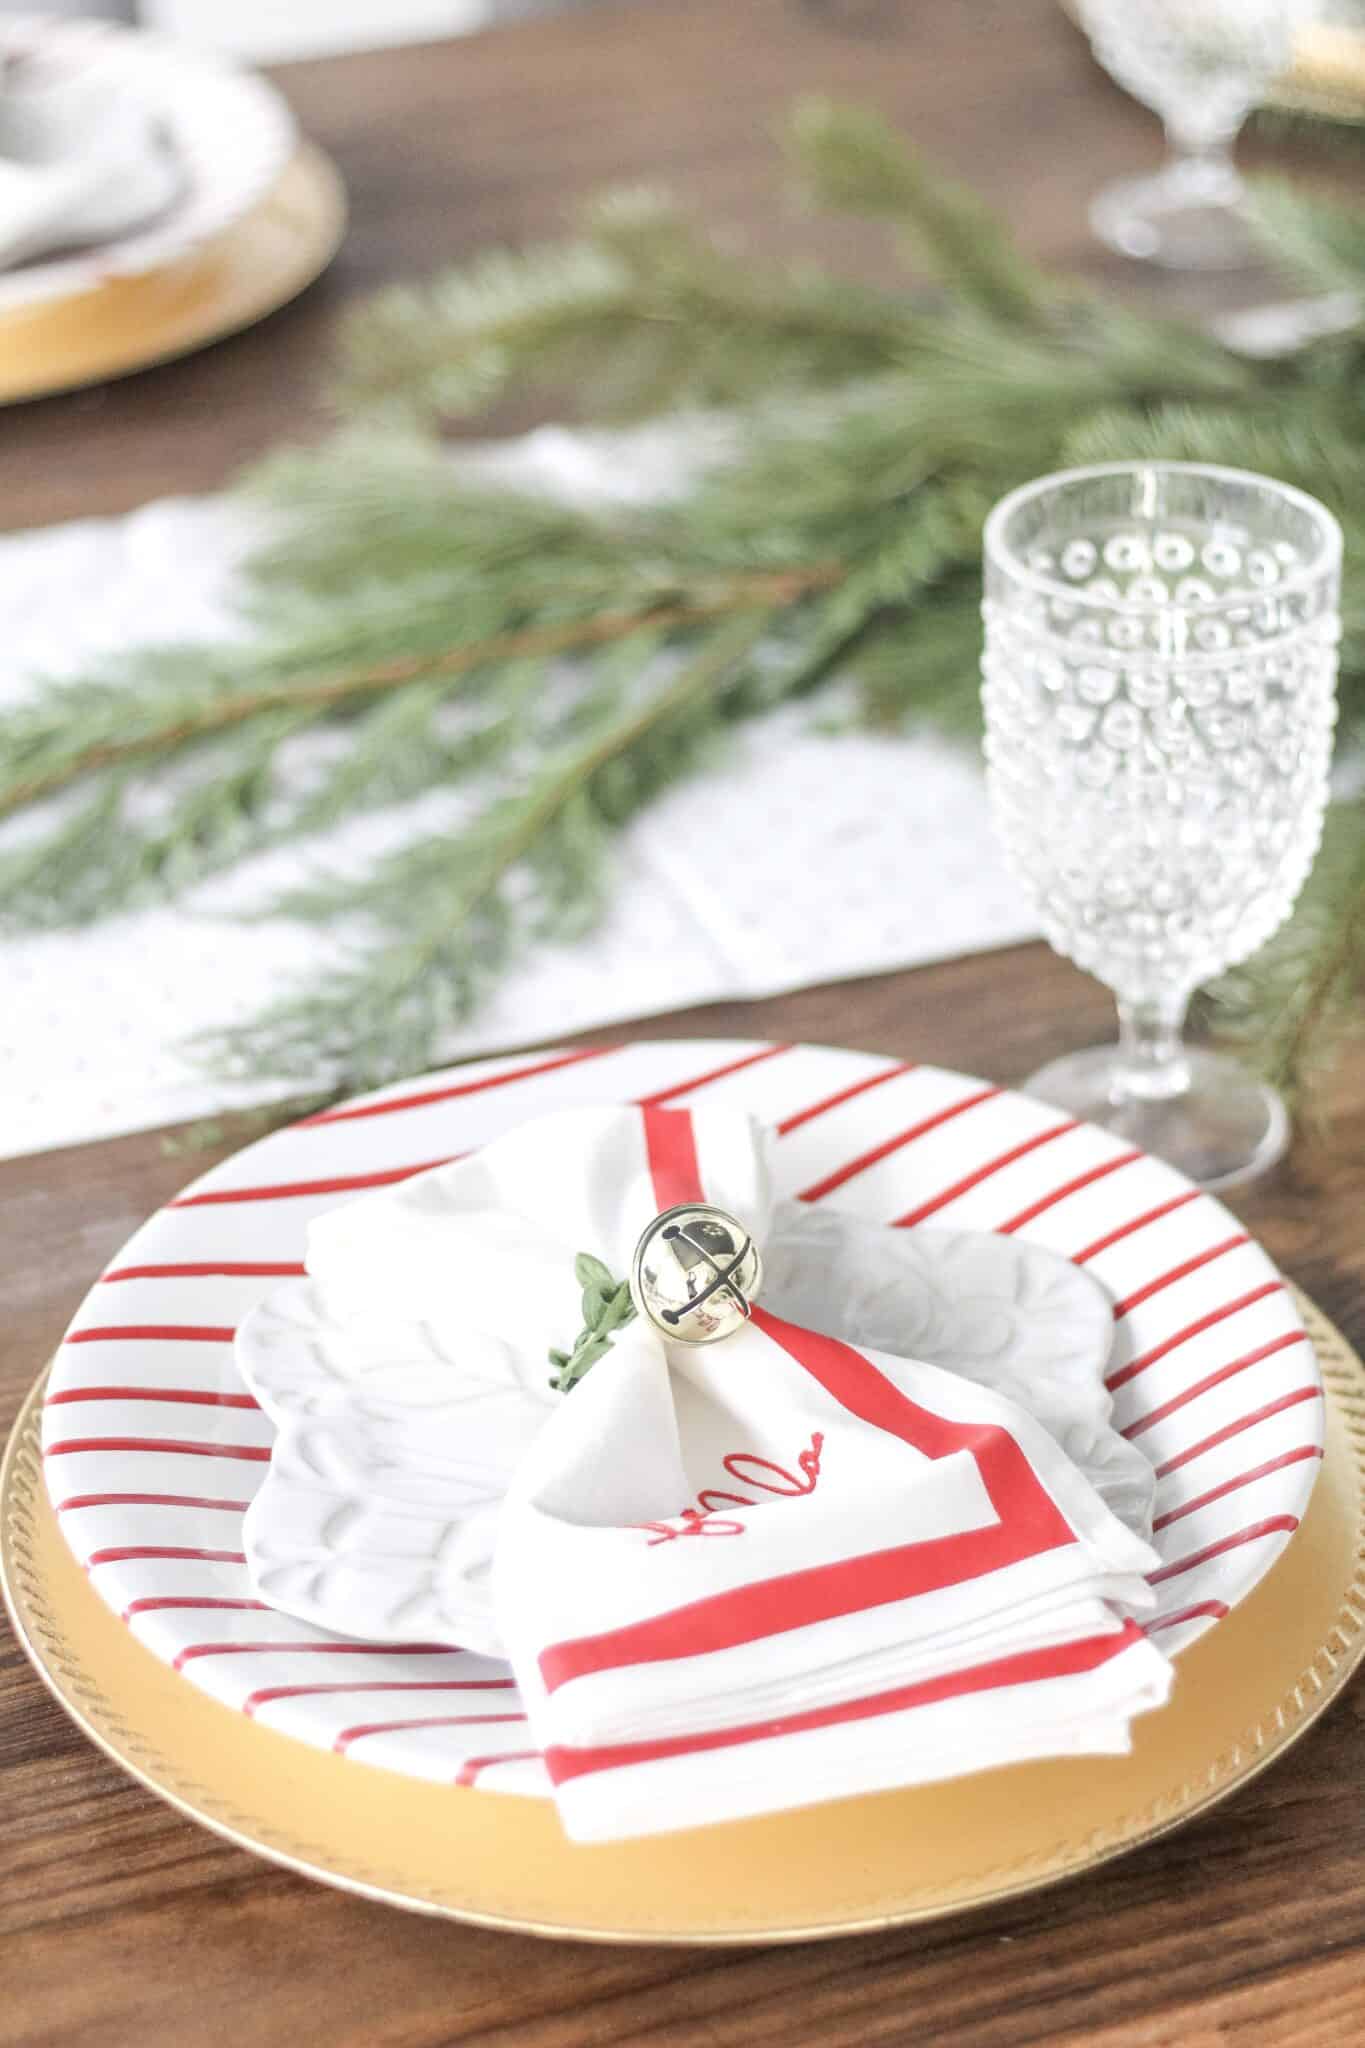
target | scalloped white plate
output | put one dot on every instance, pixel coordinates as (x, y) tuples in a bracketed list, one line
[(154, 1449)]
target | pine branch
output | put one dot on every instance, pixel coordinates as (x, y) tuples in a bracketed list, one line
[(1293, 1006), (330, 692), (407, 631), (641, 313), (853, 161), (1318, 240), (443, 913)]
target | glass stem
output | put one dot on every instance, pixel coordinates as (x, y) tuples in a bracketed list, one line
[(1151, 1050), (1203, 159)]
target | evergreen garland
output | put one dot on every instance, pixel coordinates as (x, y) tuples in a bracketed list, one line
[(547, 671)]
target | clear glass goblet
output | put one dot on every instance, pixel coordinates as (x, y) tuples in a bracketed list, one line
[(1159, 688), (1202, 65)]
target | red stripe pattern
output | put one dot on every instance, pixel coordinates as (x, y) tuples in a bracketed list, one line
[(265, 1695), (168, 1446), (426, 1097), (1025, 1668), (212, 1269), (1183, 1393), (1180, 1272), (841, 1175), (704, 1080), (356, 1734), (152, 1333), (979, 1174), (1194, 1329), (840, 1097), (190, 1397), (473, 1767), (288, 1190)]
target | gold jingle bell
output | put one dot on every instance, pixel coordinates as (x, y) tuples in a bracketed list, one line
[(695, 1274)]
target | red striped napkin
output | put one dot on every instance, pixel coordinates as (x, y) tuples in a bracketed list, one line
[(785, 1568)]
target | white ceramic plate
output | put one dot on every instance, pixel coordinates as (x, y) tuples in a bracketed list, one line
[(231, 131), (153, 1448)]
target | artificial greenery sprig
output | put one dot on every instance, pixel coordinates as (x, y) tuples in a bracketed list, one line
[(534, 673), (607, 1308)]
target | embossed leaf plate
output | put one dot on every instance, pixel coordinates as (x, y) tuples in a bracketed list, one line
[(154, 1448)]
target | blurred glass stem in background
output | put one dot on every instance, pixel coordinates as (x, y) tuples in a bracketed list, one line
[(1202, 65)]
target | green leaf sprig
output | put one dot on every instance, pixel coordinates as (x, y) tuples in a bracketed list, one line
[(607, 1308)]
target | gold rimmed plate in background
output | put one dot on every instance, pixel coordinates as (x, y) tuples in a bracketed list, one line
[(118, 324), (1245, 1692)]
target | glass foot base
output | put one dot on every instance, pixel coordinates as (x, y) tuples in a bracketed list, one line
[(1223, 1126), (1188, 217)]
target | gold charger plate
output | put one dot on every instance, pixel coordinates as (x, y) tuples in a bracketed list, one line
[(128, 323), (1244, 1692)]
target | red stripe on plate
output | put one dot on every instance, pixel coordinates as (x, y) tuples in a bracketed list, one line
[(266, 1693), (174, 1446), (1070, 1187), (152, 1333), (671, 1149), (1195, 1329), (1029, 1523), (890, 1145), (126, 1551), (472, 1766), (340, 1184), (1023, 1668), (804, 1116), (193, 1397), (1232, 1429), (149, 1500), (1213, 1379), (1215, 1251), (430, 1095), (1217, 1608), (350, 1735), (1214, 1493), (972, 1180), (203, 1269), (160, 1602), (1273, 1525), (314, 1649), (750, 1059), (1102, 1244)]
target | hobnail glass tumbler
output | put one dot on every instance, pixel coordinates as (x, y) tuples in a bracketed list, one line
[(1159, 689)]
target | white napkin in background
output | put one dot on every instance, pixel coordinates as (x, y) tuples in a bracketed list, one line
[(861, 1524), (80, 161)]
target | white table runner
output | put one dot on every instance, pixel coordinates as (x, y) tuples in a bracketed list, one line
[(814, 856)]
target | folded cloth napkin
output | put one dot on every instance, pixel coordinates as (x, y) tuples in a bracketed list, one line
[(785, 1568), (746, 1576)]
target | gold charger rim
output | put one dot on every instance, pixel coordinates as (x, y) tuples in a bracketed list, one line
[(117, 326), (27, 1526)]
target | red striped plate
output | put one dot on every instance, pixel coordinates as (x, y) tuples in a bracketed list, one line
[(153, 1450)]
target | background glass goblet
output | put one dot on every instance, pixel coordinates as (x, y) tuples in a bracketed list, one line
[(1202, 65), (1159, 689)]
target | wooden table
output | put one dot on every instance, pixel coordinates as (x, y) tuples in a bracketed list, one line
[(120, 1923)]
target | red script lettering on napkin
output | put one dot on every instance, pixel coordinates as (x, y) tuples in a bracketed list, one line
[(704, 1520)]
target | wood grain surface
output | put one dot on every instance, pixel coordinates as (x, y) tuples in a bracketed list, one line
[(121, 1923)]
